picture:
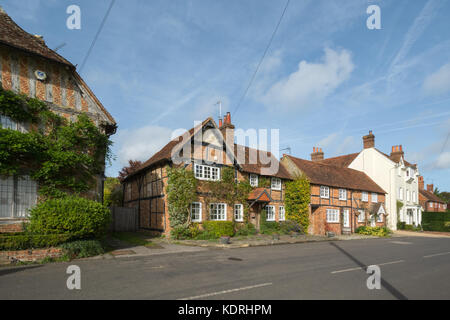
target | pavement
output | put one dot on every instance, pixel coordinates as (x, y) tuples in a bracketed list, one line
[(412, 267)]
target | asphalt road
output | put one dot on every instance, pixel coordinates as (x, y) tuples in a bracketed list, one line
[(411, 268)]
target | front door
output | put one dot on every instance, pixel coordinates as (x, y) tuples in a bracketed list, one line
[(346, 218)]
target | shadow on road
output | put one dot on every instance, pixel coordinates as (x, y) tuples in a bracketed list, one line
[(6, 271), (384, 283)]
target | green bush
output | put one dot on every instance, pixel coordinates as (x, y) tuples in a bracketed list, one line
[(219, 228), (24, 241), (247, 229), (436, 221), (401, 225), (82, 248), (269, 227), (373, 231), (288, 227), (73, 215)]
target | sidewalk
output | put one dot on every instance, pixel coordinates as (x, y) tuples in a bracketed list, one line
[(429, 234)]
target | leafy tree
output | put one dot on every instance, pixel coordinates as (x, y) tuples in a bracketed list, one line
[(297, 200), (133, 166), (112, 192)]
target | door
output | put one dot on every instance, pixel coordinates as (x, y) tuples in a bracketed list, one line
[(346, 218)]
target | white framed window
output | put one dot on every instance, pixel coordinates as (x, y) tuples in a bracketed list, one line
[(282, 213), (365, 196), (400, 193), (254, 180), (374, 197), (196, 211), (362, 216), (332, 215), (380, 218), (408, 195), (8, 123), (276, 184), (203, 172), (414, 196), (270, 213), (324, 192), (431, 204), (238, 212), (342, 194), (17, 195), (218, 211)]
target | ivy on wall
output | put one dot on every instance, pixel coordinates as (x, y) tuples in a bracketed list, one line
[(297, 200), (63, 157)]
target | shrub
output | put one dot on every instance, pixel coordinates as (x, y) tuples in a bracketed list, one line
[(288, 227), (401, 225), (373, 231), (219, 228), (23, 241), (269, 227), (247, 229), (82, 248), (436, 221), (73, 215)]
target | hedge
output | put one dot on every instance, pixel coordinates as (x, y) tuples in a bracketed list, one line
[(219, 228), (436, 221), (83, 248), (31, 241), (373, 231)]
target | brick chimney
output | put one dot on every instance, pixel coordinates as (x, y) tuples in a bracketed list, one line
[(227, 129), (369, 141), (430, 187), (317, 154), (397, 151), (421, 183)]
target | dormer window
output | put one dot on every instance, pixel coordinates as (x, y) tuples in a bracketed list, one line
[(276, 184), (254, 180), (203, 172)]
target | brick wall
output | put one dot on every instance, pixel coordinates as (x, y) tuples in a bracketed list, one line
[(11, 228), (30, 255)]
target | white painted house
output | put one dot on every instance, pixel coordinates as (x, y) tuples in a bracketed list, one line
[(399, 178)]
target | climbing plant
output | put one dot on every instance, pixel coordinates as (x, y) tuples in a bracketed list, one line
[(62, 156), (297, 200)]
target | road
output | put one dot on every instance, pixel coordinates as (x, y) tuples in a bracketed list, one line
[(411, 268)]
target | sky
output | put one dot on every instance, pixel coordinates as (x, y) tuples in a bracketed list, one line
[(325, 81)]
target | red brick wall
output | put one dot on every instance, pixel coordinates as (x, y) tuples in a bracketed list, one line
[(11, 228), (31, 255)]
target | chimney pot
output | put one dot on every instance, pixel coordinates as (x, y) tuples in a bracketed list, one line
[(369, 141), (220, 123), (430, 187)]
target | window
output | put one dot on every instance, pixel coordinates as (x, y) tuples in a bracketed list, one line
[(400, 193), (254, 180), (414, 196), (203, 172), (408, 195), (276, 184), (218, 211), (8, 123), (365, 196), (431, 204), (270, 213), (342, 194), (374, 197), (324, 192), (238, 212), (362, 216), (196, 211), (380, 218), (17, 196), (282, 214), (332, 215)]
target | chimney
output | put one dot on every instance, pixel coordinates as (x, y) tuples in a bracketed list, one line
[(227, 129), (397, 151), (369, 140), (39, 38), (220, 123), (430, 187), (317, 154), (421, 183)]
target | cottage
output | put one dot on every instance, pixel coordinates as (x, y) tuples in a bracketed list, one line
[(342, 199), (206, 149), (428, 200), (29, 67)]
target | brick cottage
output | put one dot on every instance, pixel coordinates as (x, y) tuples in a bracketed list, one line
[(428, 200)]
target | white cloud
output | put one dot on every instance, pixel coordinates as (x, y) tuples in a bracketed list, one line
[(141, 143), (443, 162), (438, 82), (325, 142), (312, 82)]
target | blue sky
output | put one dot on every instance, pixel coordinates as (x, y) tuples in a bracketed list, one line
[(326, 80)]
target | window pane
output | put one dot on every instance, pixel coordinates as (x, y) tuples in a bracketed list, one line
[(6, 197)]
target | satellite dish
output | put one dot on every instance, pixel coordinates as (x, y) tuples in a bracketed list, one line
[(40, 75)]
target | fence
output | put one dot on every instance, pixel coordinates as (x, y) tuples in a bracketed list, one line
[(124, 219)]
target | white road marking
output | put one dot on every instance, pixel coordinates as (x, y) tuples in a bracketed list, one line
[(437, 254), (228, 291), (360, 268), (400, 242)]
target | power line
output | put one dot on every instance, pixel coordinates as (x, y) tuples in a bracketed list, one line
[(96, 35), (262, 58)]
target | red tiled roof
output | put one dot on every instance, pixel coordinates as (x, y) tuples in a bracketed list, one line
[(328, 175), (259, 194), (13, 35), (396, 158), (341, 161), (431, 196)]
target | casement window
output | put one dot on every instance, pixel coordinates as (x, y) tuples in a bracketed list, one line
[(254, 180), (380, 218), (270, 213), (282, 214), (17, 195), (408, 195), (238, 212), (203, 172), (324, 192), (414, 196), (218, 211), (365, 196), (362, 216), (332, 215), (342, 194), (196, 211), (8, 123), (400, 193), (431, 204), (276, 184), (374, 197)]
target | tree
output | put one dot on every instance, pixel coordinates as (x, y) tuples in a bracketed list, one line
[(112, 192), (297, 200), (133, 166)]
